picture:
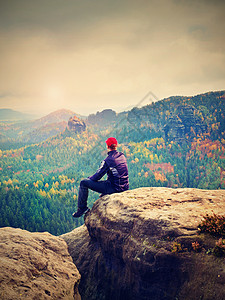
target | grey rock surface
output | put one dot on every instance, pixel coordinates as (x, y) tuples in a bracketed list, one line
[(36, 266)]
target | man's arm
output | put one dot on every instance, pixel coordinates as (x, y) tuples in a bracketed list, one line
[(100, 172)]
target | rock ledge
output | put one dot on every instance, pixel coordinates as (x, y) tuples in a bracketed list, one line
[(124, 249)]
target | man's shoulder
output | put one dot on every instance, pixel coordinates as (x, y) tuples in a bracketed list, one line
[(114, 155), (118, 152)]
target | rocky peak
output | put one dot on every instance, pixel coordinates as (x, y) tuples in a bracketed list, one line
[(185, 122), (190, 119), (76, 125), (124, 250), (174, 129)]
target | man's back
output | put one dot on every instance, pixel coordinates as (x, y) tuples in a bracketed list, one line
[(117, 170)]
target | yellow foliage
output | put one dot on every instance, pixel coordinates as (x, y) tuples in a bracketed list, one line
[(42, 193), (159, 176), (62, 192), (52, 191), (9, 182), (35, 184), (56, 184), (156, 158)]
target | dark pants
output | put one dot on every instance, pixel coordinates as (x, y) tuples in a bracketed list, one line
[(103, 187)]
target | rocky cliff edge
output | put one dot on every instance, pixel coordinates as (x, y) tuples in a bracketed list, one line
[(144, 244), (141, 244)]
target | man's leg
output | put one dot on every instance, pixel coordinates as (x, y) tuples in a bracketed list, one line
[(103, 187), (82, 195)]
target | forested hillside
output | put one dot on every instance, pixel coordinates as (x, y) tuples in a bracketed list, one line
[(39, 182)]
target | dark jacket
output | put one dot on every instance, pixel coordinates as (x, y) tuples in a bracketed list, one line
[(115, 165)]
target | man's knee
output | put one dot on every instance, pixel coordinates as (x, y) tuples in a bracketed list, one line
[(84, 182)]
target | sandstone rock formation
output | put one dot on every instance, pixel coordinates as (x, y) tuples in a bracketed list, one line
[(185, 122), (76, 125), (174, 129), (125, 249), (36, 266), (189, 117)]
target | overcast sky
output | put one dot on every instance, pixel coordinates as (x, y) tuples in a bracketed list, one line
[(87, 55)]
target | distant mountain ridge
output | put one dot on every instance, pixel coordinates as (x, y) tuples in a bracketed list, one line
[(48, 126), (140, 122), (35, 131), (10, 114), (54, 117)]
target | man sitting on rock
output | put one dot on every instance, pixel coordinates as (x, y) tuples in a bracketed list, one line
[(115, 165)]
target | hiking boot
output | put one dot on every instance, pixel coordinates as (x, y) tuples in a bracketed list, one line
[(80, 212)]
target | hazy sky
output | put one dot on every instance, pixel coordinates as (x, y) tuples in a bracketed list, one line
[(87, 55)]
